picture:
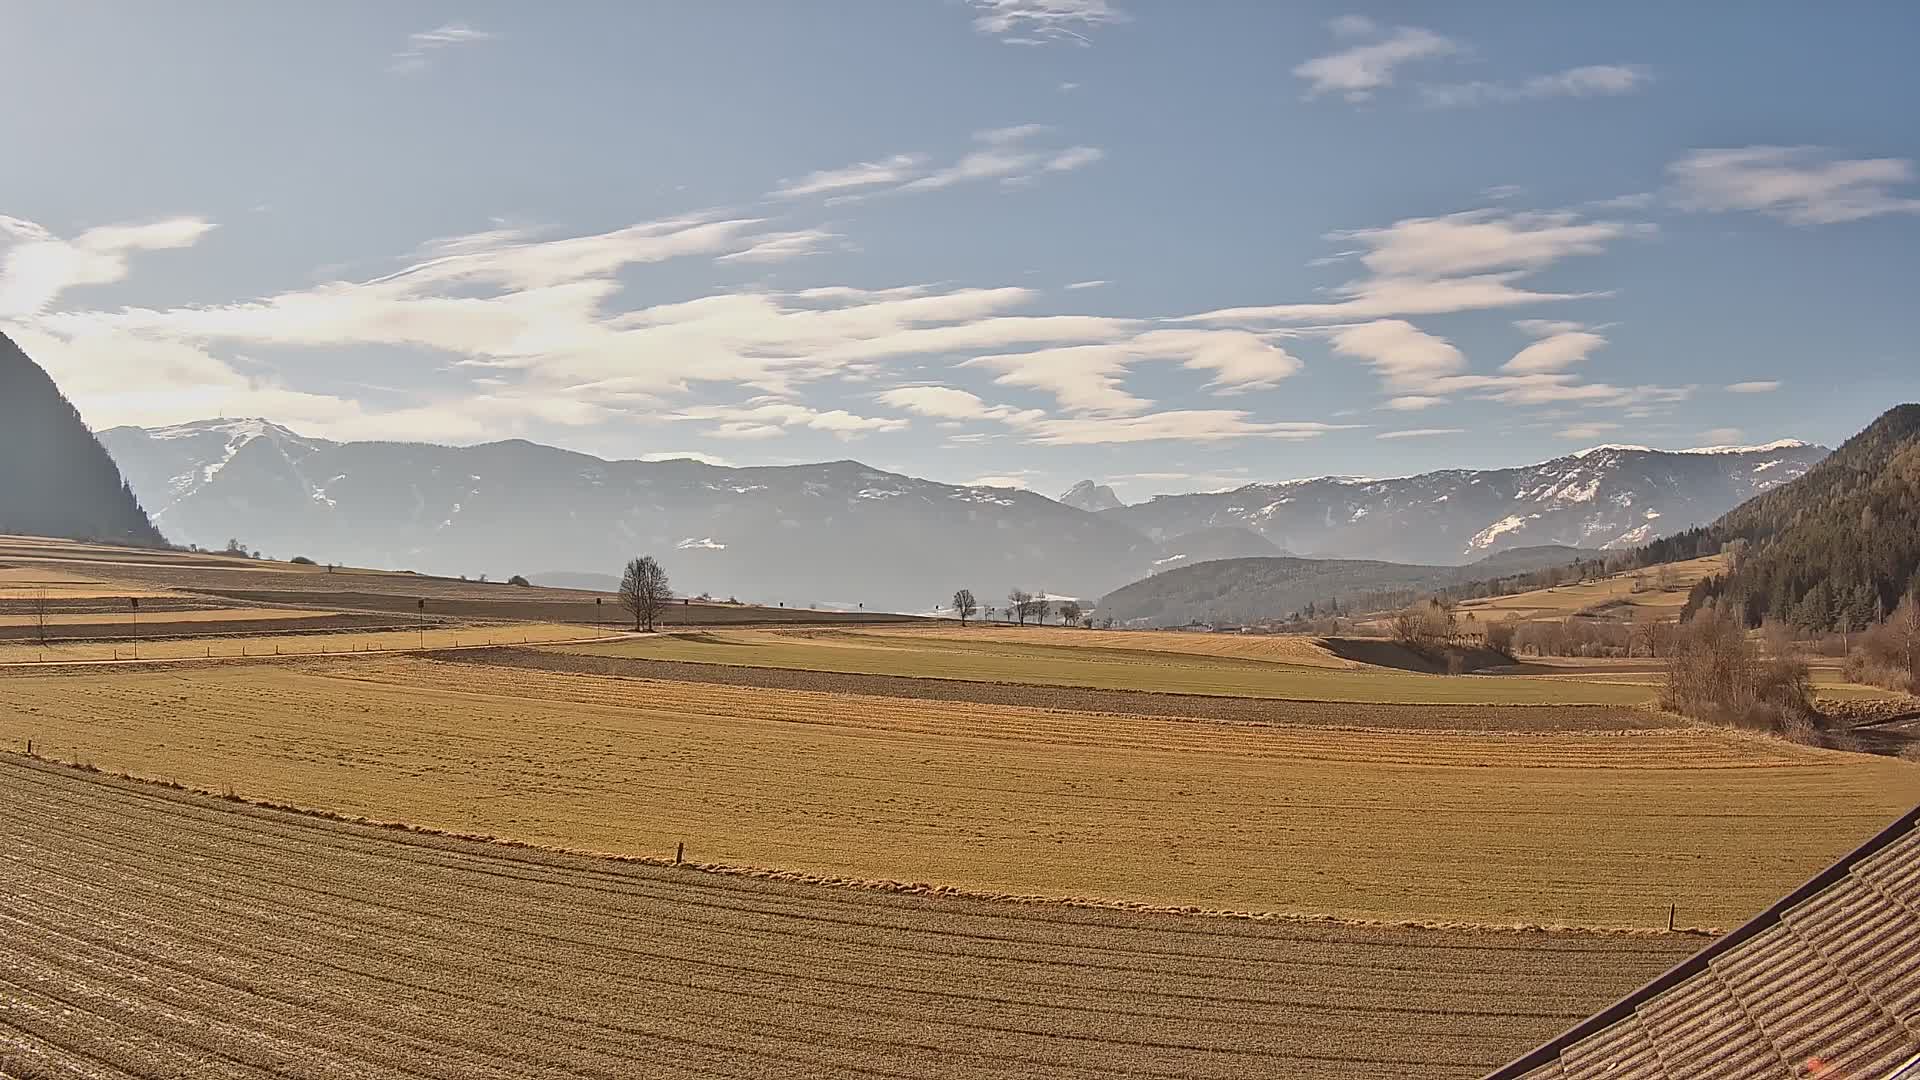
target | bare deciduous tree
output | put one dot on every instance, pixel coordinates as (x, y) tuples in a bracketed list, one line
[(40, 613), (964, 605), (1424, 625), (644, 591), (1020, 604), (1715, 673), (1070, 613), (1907, 620)]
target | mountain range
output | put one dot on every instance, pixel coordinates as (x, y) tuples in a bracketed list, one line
[(55, 480), (844, 533), (1607, 497)]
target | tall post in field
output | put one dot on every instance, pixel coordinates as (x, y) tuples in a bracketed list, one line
[(421, 603), (133, 603)]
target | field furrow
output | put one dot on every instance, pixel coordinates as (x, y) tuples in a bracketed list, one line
[(156, 933), (1533, 827)]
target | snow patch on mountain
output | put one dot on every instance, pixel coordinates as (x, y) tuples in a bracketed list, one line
[(1485, 537), (1763, 448)]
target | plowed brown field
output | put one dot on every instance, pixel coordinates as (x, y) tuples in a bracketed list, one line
[(1580, 828), (148, 933)]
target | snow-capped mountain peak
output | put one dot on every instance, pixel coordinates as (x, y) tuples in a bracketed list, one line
[(1612, 496)]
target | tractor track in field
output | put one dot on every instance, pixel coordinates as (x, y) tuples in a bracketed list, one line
[(158, 933)]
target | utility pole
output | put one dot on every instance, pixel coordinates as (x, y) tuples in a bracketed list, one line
[(421, 603), (134, 605)]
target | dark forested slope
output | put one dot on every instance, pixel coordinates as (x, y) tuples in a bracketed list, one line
[(55, 479), (1835, 548)]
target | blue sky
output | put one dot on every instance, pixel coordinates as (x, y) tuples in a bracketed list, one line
[(1168, 246)]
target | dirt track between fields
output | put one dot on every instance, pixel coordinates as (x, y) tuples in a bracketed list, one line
[(152, 933), (1122, 702)]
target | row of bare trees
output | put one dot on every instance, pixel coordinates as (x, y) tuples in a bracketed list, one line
[(1021, 607)]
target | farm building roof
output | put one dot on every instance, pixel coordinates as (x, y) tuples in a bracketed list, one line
[(1823, 984)]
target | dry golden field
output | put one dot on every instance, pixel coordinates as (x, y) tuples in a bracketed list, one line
[(278, 642), (1104, 661), (172, 618), (154, 934), (1539, 827), (1297, 650), (1630, 591)]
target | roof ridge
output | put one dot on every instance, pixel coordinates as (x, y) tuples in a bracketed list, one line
[(1628, 1006)]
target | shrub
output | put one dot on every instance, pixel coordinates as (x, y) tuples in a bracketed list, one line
[(302, 560), (519, 580), (1500, 636), (1716, 674)]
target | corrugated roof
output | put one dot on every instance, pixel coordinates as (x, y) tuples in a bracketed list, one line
[(1823, 985)]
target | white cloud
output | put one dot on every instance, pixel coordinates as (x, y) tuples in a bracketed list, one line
[(1548, 327), (1594, 80), (1558, 387), (1358, 72), (1381, 297), (1012, 133), (1074, 157), (766, 417), (1008, 156), (947, 403), (1083, 378), (122, 378), (1405, 356), (1558, 351), (781, 246), (414, 57), (862, 174), (36, 266), (1722, 436), (1040, 22), (1093, 284), (1457, 262), (1796, 184), (1013, 155), (1196, 425), (1420, 369), (1588, 431), (1758, 386), (1480, 241), (546, 316), (1421, 433), (1086, 378)]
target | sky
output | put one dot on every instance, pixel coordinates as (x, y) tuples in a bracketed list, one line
[(1166, 246)]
